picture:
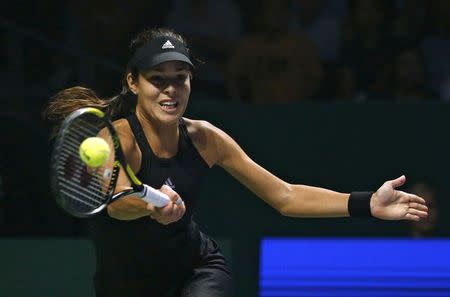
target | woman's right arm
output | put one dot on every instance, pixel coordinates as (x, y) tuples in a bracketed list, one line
[(130, 207), (133, 207)]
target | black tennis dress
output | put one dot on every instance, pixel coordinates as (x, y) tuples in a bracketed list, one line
[(143, 258)]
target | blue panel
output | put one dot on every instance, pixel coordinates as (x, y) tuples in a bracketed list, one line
[(354, 267)]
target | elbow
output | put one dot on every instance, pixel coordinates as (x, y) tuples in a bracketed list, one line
[(126, 209), (113, 212), (292, 205), (284, 207), (117, 212), (284, 211), (290, 211)]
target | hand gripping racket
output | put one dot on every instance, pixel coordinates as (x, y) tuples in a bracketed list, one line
[(83, 191)]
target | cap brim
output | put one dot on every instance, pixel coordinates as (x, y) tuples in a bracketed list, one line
[(166, 57)]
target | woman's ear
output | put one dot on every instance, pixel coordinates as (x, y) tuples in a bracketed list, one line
[(132, 83)]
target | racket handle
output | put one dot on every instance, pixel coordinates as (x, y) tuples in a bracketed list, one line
[(155, 197)]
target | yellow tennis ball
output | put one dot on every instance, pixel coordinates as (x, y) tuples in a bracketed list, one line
[(94, 151)]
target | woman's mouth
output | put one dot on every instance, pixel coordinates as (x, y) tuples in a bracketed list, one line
[(169, 105)]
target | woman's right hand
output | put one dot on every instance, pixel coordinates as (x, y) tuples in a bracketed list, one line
[(170, 213)]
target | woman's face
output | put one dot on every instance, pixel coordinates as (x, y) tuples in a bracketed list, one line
[(163, 92)]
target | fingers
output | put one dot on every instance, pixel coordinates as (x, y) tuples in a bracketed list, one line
[(411, 198), (180, 209), (171, 212), (171, 193), (418, 213), (411, 217), (395, 183), (417, 199), (167, 210), (418, 206)]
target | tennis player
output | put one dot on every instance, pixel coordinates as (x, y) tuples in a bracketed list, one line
[(147, 251)]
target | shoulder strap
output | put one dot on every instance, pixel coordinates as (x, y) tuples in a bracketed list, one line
[(187, 143), (141, 140), (184, 131)]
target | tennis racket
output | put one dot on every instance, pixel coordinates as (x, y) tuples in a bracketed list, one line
[(83, 191)]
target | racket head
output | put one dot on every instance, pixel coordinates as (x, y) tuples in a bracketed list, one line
[(80, 190)]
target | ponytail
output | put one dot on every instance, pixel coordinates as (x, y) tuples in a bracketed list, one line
[(63, 103)]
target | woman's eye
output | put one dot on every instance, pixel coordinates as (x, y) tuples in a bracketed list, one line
[(159, 80), (156, 79), (181, 78)]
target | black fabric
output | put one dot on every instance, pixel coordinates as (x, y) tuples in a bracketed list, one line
[(159, 50), (211, 278), (359, 204), (145, 258)]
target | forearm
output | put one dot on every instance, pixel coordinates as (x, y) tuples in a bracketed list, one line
[(288, 199), (307, 201), (128, 208)]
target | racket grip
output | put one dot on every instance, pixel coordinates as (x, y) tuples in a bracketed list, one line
[(155, 197)]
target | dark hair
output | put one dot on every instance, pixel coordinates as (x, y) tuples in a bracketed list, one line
[(120, 106)]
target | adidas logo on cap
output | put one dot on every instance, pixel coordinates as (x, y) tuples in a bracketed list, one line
[(167, 44)]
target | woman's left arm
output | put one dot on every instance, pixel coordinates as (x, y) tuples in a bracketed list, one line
[(307, 201)]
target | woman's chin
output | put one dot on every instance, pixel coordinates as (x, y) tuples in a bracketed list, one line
[(168, 117)]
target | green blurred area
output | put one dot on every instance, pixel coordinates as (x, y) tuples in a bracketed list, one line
[(342, 146), (52, 267)]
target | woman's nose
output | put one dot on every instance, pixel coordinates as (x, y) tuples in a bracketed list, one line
[(169, 89)]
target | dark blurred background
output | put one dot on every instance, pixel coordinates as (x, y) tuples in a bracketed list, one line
[(335, 93)]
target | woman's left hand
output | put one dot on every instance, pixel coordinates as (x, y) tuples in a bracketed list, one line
[(390, 204), (170, 213)]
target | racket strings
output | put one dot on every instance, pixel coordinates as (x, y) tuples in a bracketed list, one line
[(83, 189)]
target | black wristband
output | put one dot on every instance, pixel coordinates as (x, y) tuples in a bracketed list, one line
[(359, 204)]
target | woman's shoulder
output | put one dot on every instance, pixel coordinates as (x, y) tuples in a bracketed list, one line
[(122, 126), (124, 131), (196, 126), (205, 137), (200, 129)]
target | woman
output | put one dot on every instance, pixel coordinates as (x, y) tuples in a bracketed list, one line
[(147, 251)]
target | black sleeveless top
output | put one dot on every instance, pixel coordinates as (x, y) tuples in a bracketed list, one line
[(142, 249)]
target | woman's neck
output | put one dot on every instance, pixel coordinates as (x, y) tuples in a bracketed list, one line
[(162, 137)]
